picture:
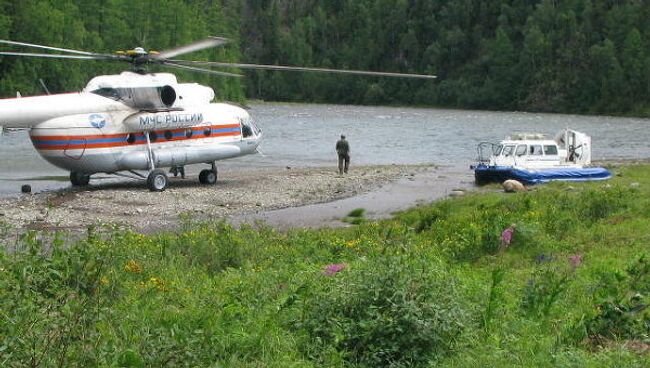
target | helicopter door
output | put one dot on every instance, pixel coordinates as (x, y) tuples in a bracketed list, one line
[(75, 148)]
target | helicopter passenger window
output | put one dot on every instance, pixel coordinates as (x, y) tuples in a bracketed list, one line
[(550, 150), (168, 134), (521, 150), (153, 136), (188, 133), (130, 139), (508, 150), (207, 132)]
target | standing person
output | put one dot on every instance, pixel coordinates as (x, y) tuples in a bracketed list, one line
[(343, 150), (178, 170)]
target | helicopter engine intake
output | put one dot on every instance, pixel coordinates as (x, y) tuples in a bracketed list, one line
[(149, 98)]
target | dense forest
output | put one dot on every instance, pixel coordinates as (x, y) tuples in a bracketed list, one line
[(106, 26), (583, 56)]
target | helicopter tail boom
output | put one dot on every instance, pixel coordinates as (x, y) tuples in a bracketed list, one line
[(27, 112)]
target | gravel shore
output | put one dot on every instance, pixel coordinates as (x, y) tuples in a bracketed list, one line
[(129, 203)]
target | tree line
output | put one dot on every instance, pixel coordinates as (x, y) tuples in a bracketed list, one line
[(581, 56), (106, 26)]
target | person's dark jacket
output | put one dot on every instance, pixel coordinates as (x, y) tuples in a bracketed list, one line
[(342, 147)]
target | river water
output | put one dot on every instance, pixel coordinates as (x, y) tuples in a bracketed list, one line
[(299, 135)]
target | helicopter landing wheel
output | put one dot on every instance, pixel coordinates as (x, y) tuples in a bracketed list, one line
[(208, 177), (157, 180), (79, 179)]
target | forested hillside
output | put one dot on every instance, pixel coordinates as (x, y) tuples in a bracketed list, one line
[(589, 56), (584, 56), (106, 26)]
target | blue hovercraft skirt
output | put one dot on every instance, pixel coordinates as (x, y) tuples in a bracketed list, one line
[(484, 174)]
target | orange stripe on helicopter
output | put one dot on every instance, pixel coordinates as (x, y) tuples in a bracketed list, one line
[(131, 139)]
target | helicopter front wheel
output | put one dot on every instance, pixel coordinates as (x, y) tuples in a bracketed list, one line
[(208, 177), (157, 180), (79, 179)]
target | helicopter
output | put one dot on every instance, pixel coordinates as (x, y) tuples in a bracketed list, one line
[(139, 121)]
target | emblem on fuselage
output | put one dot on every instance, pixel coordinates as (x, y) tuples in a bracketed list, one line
[(98, 121)]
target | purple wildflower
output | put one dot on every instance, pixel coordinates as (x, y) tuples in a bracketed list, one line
[(575, 261), (334, 268)]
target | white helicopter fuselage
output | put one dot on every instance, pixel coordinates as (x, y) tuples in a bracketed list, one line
[(132, 122), (117, 141)]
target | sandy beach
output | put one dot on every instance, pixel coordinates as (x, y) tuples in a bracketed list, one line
[(237, 194)]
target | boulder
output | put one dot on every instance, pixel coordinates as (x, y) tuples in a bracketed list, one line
[(456, 193), (511, 186)]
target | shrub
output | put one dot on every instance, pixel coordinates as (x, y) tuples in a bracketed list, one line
[(357, 212), (425, 219), (623, 310), (543, 290), (50, 301), (598, 203), (494, 299), (385, 313), (215, 247)]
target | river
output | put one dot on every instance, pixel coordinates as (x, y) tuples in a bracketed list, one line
[(298, 135)]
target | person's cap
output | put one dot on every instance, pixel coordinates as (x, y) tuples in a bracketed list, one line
[(342, 136)]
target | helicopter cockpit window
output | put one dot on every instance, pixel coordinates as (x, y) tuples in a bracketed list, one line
[(256, 129), (248, 128)]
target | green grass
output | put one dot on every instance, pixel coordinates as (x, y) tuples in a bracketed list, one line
[(357, 212), (427, 288), (355, 217)]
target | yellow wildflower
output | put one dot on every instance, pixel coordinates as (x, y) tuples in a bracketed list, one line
[(132, 266), (157, 283)]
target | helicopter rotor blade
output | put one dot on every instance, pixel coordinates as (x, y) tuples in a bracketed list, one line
[(208, 71), (304, 69), (60, 56), (78, 52), (192, 47)]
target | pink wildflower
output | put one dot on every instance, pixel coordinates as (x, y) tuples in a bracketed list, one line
[(333, 269), (506, 236), (575, 261)]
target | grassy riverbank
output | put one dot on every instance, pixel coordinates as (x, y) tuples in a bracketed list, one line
[(430, 287)]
